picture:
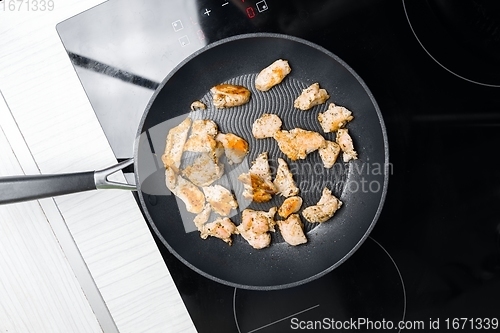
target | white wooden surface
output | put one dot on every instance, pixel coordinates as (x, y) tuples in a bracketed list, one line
[(42, 286), (38, 290)]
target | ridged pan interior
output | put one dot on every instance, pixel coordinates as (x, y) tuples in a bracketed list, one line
[(309, 174)]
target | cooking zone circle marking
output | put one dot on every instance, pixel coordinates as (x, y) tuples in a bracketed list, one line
[(371, 278), (441, 61)]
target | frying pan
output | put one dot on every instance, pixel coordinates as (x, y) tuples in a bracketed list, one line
[(360, 184)]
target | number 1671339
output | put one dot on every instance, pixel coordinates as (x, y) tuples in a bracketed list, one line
[(27, 5)]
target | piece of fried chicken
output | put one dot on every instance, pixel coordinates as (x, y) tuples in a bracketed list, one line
[(266, 126), (329, 153), (292, 230), (256, 225), (222, 228), (272, 75), (174, 145), (326, 207), (334, 117), (297, 143), (220, 198), (190, 194), (202, 137), (344, 140), (258, 185), (198, 105), (284, 183), (310, 97), (289, 206), (204, 170), (235, 147), (229, 95)]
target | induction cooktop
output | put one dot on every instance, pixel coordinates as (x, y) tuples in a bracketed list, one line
[(432, 262)]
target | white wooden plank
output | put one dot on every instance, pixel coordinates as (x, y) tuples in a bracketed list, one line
[(59, 227), (63, 135), (38, 290)]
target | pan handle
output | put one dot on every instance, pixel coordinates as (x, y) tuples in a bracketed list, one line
[(24, 188)]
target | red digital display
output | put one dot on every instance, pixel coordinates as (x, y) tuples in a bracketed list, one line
[(250, 12)]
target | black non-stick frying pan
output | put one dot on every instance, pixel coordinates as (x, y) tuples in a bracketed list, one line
[(360, 184)]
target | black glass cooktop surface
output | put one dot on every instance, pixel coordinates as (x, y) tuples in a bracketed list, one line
[(434, 254)]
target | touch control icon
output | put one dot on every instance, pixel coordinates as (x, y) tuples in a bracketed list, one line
[(184, 40), (177, 25), (261, 6)]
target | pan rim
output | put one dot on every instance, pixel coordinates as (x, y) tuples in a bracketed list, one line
[(385, 169)]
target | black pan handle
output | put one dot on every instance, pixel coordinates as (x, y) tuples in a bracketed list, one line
[(24, 188)]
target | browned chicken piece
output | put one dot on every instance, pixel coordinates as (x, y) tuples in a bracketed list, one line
[(311, 96), (272, 75), (228, 95), (266, 126), (222, 228), (202, 137), (202, 217), (334, 117), (284, 183), (297, 143), (235, 147), (255, 227), (292, 230), (176, 138), (289, 206), (346, 145), (260, 167), (198, 105), (329, 153), (204, 170), (326, 207), (256, 188), (220, 198), (258, 185), (190, 194)]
